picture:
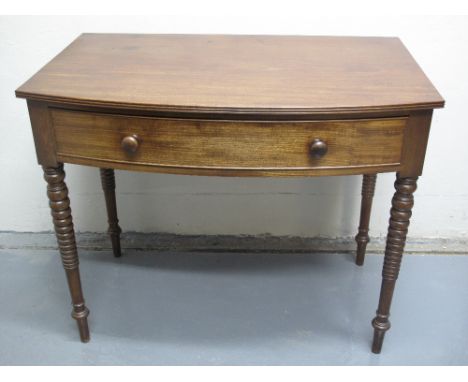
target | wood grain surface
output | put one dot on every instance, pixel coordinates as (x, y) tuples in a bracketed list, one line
[(235, 74), (193, 144)]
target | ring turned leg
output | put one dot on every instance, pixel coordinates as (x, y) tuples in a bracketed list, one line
[(400, 214), (108, 185), (362, 238), (61, 213)]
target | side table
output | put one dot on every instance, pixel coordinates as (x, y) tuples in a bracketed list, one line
[(233, 106)]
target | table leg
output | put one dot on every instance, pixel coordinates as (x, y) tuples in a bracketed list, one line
[(61, 213), (108, 186), (400, 214), (362, 238)]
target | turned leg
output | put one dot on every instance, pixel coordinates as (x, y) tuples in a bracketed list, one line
[(400, 214), (108, 185), (362, 238), (61, 213)]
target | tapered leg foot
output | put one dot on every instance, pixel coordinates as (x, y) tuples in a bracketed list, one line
[(108, 186), (63, 223), (400, 214), (378, 340), (82, 321), (362, 238)]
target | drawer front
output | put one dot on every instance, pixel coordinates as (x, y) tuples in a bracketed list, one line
[(227, 145)]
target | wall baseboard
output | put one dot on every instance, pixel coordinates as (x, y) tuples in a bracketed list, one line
[(228, 243)]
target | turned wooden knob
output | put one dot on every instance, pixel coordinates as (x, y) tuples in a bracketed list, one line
[(130, 144), (318, 148)]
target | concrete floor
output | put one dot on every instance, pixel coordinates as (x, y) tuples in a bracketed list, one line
[(153, 308)]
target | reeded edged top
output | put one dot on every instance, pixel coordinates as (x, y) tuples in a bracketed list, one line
[(235, 74)]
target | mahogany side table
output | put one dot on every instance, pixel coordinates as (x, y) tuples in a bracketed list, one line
[(233, 106)]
